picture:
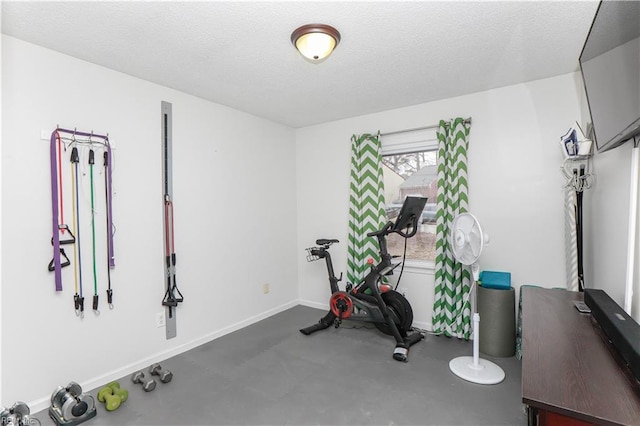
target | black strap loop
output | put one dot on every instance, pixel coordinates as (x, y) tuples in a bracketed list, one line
[(66, 262), (71, 240)]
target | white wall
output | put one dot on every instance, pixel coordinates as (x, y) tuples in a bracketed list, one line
[(607, 227), (232, 226), (515, 183), (606, 223), (1, 325)]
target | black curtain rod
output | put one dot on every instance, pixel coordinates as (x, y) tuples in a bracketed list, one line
[(433, 126)]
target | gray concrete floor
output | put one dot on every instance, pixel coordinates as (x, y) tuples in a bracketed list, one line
[(270, 374)]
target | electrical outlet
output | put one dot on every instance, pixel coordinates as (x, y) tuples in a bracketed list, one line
[(403, 291), (265, 288), (160, 319)]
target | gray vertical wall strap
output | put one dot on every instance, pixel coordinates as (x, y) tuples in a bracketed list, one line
[(167, 191), (55, 242)]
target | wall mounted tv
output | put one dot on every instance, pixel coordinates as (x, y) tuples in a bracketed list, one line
[(610, 65)]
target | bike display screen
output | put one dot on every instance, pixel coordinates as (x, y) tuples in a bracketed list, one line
[(409, 213)]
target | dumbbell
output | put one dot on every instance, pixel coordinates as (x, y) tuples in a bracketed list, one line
[(9, 417), (138, 378), (165, 375), (122, 393), (17, 415), (112, 396)]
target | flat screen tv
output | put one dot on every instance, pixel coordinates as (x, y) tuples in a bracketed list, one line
[(610, 66)]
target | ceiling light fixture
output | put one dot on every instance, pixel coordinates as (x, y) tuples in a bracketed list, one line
[(315, 42)]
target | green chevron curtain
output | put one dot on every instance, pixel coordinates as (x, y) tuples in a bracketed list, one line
[(452, 279), (366, 204)]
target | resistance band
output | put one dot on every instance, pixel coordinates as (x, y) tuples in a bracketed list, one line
[(58, 226), (78, 299), (93, 235), (170, 298), (60, 189), (55, 239), (108, 209), (57, 211)]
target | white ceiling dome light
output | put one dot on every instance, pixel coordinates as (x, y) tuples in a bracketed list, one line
[(315, 42)]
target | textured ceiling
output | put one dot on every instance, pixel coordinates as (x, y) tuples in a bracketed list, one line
[(392, 54)]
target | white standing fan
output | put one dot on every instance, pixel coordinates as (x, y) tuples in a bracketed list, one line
[(467, 241)]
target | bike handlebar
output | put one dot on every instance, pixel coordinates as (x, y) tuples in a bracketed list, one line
[(388, 229), (384, 231), (414, 230), (381, 234)]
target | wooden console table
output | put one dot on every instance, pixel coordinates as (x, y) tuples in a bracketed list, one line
[(570, 374)]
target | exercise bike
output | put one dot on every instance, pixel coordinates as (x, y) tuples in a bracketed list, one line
[(371, 300)]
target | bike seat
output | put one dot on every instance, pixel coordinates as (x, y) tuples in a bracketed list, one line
[(324, 242)]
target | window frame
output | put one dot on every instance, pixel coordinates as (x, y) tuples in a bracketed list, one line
[(407, 142)]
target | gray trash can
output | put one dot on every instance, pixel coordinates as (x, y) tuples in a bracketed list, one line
[(497, 309)]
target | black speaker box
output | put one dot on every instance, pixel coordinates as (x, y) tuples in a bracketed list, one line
[(619, 327)]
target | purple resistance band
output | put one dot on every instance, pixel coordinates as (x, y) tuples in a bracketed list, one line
[(54, 213), (54, 202)]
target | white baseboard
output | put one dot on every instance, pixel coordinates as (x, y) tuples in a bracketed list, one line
[(309, 303), (44, 402), (423, 325)]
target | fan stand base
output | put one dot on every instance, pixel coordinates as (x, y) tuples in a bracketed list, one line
[(483, 373)]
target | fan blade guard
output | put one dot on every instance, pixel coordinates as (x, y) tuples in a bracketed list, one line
[(467, 238)]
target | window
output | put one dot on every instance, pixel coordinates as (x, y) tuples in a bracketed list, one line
[(410, 169)]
